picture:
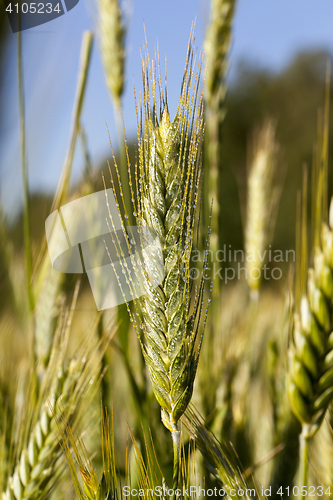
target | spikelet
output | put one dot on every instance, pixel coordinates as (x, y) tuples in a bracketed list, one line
[(262, 200), (112, 35)]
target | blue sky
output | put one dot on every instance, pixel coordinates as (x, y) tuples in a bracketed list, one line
[(266, 32)]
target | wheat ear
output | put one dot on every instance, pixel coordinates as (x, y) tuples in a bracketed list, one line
[(262, 200), (310, 383), (168, 181), (217, 45), (310, 368), (62, 395), (33, 473), (112, 35)]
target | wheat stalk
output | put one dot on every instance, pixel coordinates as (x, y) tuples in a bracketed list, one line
[(46, 281), (24, 165), (216, 46)]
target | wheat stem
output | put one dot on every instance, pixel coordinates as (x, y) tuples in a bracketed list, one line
[(26, 222), (85, 57), (304, 456), (46, 280), (43, 262), (176, 456), (112, 34), (217, 45), (112, 46)]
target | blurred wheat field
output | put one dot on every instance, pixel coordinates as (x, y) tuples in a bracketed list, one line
[(216, 379)]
